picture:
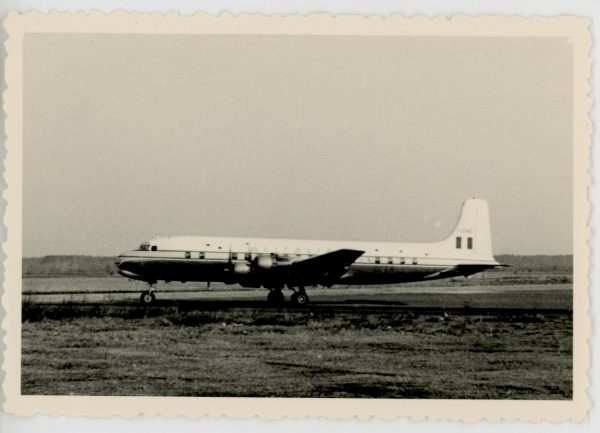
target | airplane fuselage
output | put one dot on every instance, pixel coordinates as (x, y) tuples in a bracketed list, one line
[(275, 263), (215, 259)]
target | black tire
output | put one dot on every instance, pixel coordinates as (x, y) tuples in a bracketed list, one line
[(275, 297), (147, 298), (301, 299)]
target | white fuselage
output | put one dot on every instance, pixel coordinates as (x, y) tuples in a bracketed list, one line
[(211, 259), (242, 260)]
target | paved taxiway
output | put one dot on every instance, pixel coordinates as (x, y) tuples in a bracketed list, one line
[(519, 297)]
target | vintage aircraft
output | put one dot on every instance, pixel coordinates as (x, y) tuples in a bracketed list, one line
[(277, 263)]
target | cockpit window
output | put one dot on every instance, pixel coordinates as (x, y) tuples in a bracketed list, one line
[(144, 247)]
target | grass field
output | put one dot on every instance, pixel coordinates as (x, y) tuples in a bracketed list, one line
[(505, 342)]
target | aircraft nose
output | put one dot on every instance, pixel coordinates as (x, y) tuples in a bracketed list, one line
[(119, 261)]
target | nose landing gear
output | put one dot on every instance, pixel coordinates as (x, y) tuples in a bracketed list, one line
[(147, 297)]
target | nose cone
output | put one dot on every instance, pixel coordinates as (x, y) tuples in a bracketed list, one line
[(124, 261), (131, 267)]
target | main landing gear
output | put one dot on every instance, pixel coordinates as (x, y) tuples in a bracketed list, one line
[(276, 298), (300, 297)]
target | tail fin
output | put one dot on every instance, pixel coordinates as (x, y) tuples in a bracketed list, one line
[(471, 236)]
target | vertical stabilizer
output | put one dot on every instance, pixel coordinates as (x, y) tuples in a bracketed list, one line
[(471, 236)]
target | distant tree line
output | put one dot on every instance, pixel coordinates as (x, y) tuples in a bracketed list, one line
[(105, 266), (538, 263), (69, 265)]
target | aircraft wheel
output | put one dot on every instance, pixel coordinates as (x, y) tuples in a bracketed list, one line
[(147, 298), (300, 298), (275, 297)]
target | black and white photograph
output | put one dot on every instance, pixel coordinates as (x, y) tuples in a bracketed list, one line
[(345, 215)]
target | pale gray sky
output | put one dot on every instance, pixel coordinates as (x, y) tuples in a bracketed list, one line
[(366, 138)]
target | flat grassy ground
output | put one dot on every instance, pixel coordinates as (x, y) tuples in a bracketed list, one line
[(320, 351)]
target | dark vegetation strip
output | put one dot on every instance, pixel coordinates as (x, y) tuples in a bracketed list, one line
[(188, 316)]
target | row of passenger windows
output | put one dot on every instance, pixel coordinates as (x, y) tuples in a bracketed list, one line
[(365, 259), (392, 260), (202, 255), (369, 259), (459, 243), (247, 256)]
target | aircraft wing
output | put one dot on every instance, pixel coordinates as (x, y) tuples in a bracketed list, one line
[(324, 269)]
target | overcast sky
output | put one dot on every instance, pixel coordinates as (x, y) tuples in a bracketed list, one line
[(350, 138)]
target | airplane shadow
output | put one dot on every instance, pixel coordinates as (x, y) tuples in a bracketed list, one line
[(261, 304)]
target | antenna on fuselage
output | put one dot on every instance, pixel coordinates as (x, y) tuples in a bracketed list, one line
[(229, 260)]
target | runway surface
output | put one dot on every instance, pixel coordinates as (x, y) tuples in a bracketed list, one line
[(557, 297)]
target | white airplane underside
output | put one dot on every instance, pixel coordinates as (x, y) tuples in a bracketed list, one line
[(296, 264)]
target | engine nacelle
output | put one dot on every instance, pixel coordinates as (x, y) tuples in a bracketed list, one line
[(241, 269), (243, 275), (264, 262)]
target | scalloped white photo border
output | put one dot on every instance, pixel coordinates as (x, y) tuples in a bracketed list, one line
[(575, 29)]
